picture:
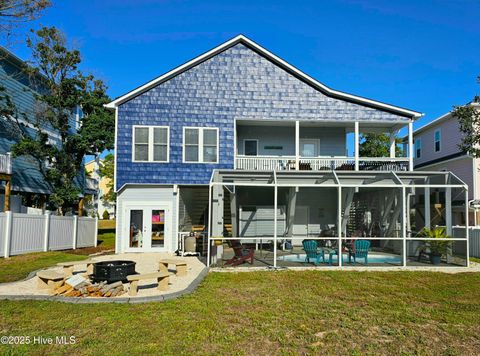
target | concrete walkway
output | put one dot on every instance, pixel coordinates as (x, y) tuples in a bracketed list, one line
[(474, 268), (147, 291)]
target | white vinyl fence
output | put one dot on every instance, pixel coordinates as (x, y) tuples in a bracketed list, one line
[(473, 239), (25, 233)]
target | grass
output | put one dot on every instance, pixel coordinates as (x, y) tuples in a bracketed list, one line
[(18, 267), (308, 312)]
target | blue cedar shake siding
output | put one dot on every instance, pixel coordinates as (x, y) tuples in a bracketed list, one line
[(237, 83)]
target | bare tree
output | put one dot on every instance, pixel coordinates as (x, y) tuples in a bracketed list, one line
[(15, 12)]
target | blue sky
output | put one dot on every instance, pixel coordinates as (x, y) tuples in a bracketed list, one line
[(423, 55)]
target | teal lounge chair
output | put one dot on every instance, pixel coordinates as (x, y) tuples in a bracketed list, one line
[(360, 250), (313, 253)]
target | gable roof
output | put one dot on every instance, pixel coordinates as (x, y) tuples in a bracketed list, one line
[(279, 62), (440, 120)]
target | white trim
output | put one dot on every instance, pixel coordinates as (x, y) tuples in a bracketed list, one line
[(442, 162), (250, 139), (410, 146), (272, 57), (417, 140), (146, 208), (115, 156), (150, 143), (235, 153), (200, 144), (439, 130), (357, 144)]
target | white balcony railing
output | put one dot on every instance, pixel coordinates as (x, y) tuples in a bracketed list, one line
[(6, 163), (283, 163), (266, 163)]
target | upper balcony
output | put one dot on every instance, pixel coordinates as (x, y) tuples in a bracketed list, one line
[(5, 163), (316, 146)]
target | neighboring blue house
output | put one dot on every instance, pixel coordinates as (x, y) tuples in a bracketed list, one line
[(234, 114), (27, 185)]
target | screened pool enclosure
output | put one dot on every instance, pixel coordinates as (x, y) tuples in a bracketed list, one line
[(335, 218)]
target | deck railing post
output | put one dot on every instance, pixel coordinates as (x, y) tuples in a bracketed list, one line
[(339, 227), (8, 234), (47, 231), (75, 231)]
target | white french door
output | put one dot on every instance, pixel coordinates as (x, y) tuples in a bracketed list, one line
[(309, 147), (148, 226)]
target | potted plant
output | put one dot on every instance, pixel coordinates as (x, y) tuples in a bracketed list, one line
[(435, 248)]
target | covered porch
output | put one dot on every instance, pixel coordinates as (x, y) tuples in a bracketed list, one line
[(368, 218), (319, 145)]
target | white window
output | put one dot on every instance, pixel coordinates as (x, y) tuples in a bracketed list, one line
[(151, 143), (436, 140), (200, 144), (418, 148)]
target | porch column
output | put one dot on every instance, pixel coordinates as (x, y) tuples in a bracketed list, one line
[(80, 207), (339, 226), (448, 210), (466, 228), (233, 213), (209, 231), (297, 145), (393, 144), (217, 213), (404, 229), (428, 219), (357, 144), (292, 201), (6, 204), (410, 146), (275, 203)]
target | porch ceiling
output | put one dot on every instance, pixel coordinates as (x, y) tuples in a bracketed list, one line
[(365, 126), (361, 179)]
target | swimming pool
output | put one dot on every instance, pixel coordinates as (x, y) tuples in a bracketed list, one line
[(372, 258)]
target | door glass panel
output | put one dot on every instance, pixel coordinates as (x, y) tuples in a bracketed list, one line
[(158, 228), (250, 148), (136, 228), (308, 150)]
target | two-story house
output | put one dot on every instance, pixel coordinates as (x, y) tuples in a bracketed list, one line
[(436, 148), (245, 144), (21, 180)]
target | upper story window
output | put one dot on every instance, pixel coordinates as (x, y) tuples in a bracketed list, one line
[(436, 140), (200, 144), (418, 148), (151, 143)]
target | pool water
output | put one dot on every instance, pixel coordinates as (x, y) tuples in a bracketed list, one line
[(372, 258)]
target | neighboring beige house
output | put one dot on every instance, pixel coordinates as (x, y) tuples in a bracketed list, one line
[(436, 148), (101, 186)]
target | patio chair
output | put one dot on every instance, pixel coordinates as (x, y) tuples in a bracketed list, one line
[(313, 252), (241, 254), (359, 250)]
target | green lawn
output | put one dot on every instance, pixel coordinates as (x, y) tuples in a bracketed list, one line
[(18, 267), (283, 312)]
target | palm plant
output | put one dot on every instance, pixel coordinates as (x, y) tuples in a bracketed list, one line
[(439, 246)]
